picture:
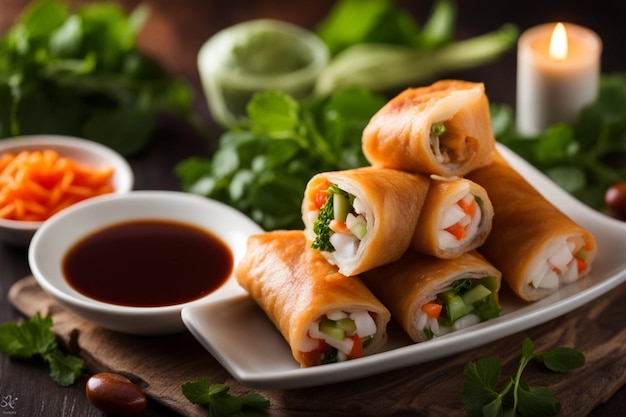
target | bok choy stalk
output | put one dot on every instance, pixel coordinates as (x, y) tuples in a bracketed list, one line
[(390, 51), (380, 67)]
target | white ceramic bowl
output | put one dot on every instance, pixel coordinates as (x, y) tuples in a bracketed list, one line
[(19, 233), (57, 235)]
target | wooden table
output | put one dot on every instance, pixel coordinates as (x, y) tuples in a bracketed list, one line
[(174, 34)]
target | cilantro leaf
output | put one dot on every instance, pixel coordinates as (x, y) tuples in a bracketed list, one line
[(483, 398), (220, 403), (481, 380), (34, 338), (321, 226), (64, 369), (79, 72), (536, 401), (562, 359), (262, 166), (30, 338)]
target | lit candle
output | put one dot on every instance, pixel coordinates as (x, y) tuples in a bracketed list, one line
[(558, 70)]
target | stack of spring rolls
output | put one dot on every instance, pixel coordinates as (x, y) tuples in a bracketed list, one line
[(425, 234)]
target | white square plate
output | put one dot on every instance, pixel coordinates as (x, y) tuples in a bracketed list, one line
[(239, 335)]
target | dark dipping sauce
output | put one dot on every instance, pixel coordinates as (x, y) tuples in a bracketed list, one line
[(148, 263)]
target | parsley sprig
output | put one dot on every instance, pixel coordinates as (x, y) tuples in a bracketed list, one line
[(34, 338), (79, 71), (481, 394), (220, 403)]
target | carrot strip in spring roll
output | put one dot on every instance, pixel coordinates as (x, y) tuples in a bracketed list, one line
[(455, 219), (325, 316), (431, 297), (362, 218), (535, 245), (442, 129)]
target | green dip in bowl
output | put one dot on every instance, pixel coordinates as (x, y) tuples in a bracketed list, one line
[(258, 55)]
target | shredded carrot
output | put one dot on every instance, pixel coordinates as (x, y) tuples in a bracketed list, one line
[(320, 195), (468, 207), (357, 347), (36, 184), (338, 226), (457, 231), (432, 309)]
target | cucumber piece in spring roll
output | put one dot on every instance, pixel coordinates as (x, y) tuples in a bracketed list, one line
[(364, 217), (325, 316), (535, 245), (431, 297), (455, 219), (442, 129)]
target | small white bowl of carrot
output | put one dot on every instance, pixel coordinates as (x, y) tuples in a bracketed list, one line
[(41, 175)]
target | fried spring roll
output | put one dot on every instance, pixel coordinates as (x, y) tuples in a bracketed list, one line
[(324, 316), (535, 245), (442, 129), (455, 219), (431, 297), (362, 218)]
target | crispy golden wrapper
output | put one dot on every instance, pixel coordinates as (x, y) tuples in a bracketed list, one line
[(295, 287), (400, 134)]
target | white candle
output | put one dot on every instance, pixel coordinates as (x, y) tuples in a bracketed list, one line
[(555, 82)]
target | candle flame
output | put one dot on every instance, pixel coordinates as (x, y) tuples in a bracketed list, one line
[(558, 43)]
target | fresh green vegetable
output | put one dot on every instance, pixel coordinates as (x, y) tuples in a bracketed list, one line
[(586, 157), (220, 403), (385, 48), (483, 398), (469, 296), (478, 293), (80, 73), (347, 324), (438, 129), (455, 308), (331, 329), (34, 338), (321, 226), (262, 166), (359, 228), (341, 206)]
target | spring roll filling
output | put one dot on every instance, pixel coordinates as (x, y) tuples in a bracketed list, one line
[(465, 303), (564, 262), (460, 222), (340, 223), (338, 336), (447, 142)]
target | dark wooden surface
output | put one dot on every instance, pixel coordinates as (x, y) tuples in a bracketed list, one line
[(174, 34)]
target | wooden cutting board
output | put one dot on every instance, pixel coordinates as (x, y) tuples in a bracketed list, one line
[(160, 365)]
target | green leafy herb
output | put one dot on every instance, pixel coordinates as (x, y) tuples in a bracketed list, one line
[(386, 48), (34, 338), (488, 309), (438, 129), (462, 285), (584, 158), (262, 166), (483, 397), (321, 226), (80, 73), (220, 403)]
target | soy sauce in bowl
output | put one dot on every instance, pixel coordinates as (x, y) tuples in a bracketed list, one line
[(148, 263)]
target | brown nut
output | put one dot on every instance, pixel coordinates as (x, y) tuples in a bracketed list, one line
[(115, 394), (615, 200)]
